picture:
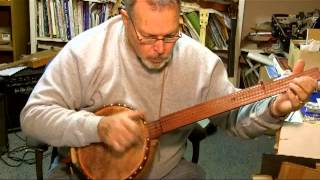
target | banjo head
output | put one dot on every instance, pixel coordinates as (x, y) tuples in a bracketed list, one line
[(98, 161)]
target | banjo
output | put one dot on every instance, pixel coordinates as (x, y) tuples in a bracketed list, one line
[(98, 161)]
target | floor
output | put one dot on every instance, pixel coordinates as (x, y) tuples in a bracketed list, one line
[(222, 157)]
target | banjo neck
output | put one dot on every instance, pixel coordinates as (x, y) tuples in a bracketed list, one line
[(223, 104)]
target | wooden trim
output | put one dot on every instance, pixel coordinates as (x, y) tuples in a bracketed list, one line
[(20, 28)]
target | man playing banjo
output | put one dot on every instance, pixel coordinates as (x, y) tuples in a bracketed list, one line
[(141, 59)]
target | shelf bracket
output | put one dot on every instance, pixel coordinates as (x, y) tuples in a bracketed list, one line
[(204, 16)]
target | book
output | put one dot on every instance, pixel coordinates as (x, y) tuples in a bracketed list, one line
[(60, 18), (49, 17), (71, 18), (66, 15), (45, 18), (190, 29), (40, 19), (53, 18), (194, 20), (86, 15), (80, 16)]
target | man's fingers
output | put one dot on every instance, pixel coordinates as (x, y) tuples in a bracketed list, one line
[(129, 126), (303, 86), (300, 93), (298, 67), (121, 130), (133, 124), (116, 146), (135, 115), (295, 101)]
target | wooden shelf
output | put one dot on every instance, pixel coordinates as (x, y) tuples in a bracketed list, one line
[(222, 7), (51, 39), (50, 44), (6, 47), (13, 14), (5, 3)]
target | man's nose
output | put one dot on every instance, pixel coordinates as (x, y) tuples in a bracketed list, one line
[(159, 46)]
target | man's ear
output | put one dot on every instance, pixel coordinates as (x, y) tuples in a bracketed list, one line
[(125, 17)]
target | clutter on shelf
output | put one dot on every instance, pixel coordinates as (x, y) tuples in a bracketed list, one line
[(290, 26)]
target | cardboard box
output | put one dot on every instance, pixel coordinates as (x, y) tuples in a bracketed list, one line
[(299, 139), (312, 59), (313, 34)]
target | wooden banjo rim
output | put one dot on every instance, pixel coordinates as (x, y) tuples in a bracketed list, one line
[(75, 152)]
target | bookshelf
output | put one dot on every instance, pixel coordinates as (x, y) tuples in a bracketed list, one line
[(203, 8), (216, 28), (54, 22), (14, 22)]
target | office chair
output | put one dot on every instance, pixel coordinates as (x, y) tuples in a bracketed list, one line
[(196, 136)]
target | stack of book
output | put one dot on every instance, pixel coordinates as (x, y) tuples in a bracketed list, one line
[(64, 19), (217, 30)]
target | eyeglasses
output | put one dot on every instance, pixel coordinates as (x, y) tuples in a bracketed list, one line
[(152, 40)]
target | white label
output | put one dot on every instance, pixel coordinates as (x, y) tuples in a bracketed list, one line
[(5, 37)]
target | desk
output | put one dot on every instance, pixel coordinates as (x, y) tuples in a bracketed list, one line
[(271, 163), (300, 140), (295, 143)]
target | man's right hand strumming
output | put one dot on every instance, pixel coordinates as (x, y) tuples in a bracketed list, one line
[(120, 131)]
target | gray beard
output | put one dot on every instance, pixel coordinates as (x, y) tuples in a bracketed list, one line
[(155, 68)]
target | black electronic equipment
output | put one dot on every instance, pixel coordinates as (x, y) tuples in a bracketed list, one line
[(17, 89), (287, 26), (3, 129)]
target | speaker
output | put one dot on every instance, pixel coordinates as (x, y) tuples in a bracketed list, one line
[(3, 130), (17, 89)]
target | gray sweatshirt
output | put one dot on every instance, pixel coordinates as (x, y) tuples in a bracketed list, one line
[(98, 67)]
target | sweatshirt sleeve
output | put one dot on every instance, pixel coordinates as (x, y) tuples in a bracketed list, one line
[(247, 121), (53, 112)]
